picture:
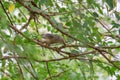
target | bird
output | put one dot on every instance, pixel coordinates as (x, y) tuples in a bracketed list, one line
[(49, 38)]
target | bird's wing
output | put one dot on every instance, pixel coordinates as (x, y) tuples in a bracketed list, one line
[(47, 36)]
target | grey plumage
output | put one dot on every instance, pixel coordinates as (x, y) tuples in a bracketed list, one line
[(49, 38)]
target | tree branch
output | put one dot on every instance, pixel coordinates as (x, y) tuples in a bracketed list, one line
[(44, 15), (57, 75), (48, 71), (101, 52)]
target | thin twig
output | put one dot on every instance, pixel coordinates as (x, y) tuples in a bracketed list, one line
[(26, 24), (101, 52), (3, 71), (20, 69), (57, 75), (37, 30), (96, 19), (30, 72), (51, 60), (6, 12), (104, 47), (32, 67), (48, 70), (22, 13)]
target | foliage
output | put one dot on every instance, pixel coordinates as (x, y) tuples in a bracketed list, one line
[(90, 28)]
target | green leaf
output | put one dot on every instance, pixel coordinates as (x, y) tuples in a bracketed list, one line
[(118, 77), (6, 4), (17, 5), (3, 20), (46, 2), (75, 51), (110, 3), (115, 25), (90, 1), (117, 15), (95, 14), (68, 23), (62, 10)]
